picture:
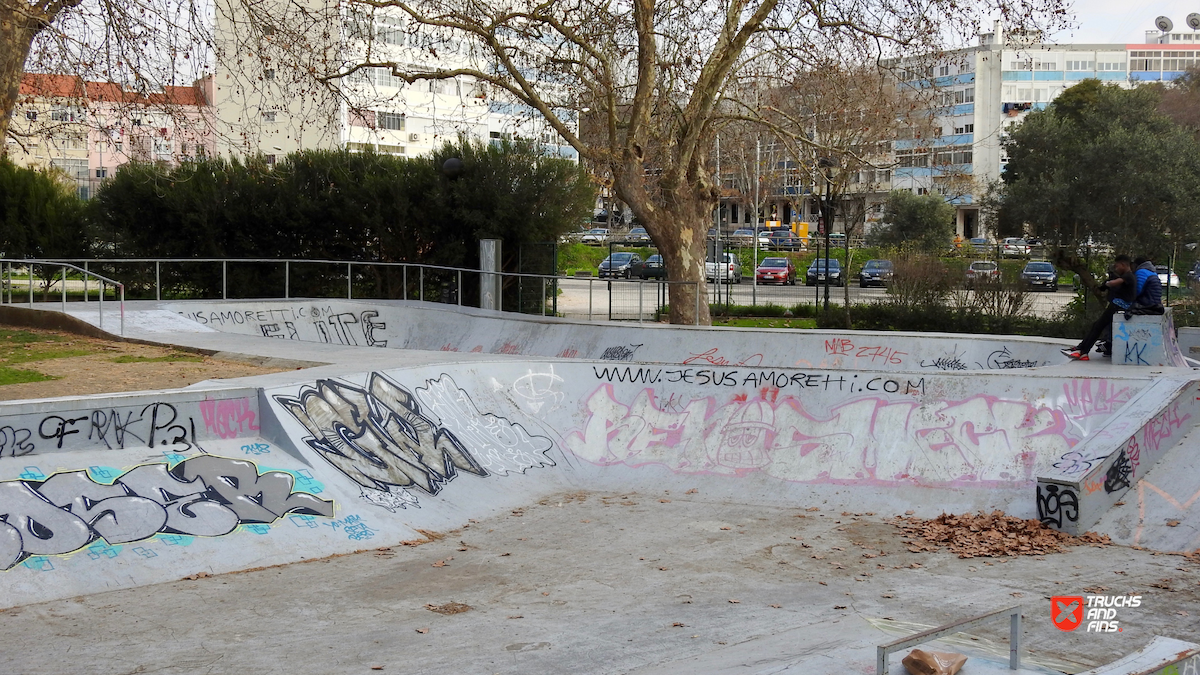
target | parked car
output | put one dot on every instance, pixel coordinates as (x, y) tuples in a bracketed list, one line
[(824, 271), (742, 238), (1014, 247), (982, 270), (619, 265), (784, 240), (776, 271), (638, 235), (981, 244), (764, 239), (837, 240), (1194, 273), (1040, 275), (876, 273), (1164, 272), (595, 236), (653, 268), (729, 269)]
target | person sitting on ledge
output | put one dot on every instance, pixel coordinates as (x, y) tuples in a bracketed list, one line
[(1148, 293), (1121, 292)]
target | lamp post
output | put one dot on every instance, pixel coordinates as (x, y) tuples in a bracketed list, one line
[(827, 164)]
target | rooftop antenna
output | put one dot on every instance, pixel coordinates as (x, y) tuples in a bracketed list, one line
[(1193, 20), (1164, 24)]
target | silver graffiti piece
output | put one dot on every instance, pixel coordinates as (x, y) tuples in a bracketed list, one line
[(200, 496), (396, 499), (378, 436), (501, 446)]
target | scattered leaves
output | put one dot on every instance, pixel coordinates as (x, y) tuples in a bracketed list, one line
[(989, 534), (440, 563), (691, 492), (449, 608)]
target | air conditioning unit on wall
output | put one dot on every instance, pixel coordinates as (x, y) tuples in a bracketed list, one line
[(414, 138)]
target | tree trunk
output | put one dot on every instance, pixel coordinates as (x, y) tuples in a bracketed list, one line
[(17, 30), (1066, 259)]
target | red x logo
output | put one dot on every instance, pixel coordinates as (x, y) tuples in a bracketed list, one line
[(1066, 611)]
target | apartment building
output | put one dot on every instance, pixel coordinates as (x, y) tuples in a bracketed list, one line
[(264, 107), (89, 129), (984, 91)]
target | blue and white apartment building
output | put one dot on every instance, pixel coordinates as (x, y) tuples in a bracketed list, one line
[(985, 90)]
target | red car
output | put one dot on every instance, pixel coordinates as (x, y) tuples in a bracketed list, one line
[(776, 271)]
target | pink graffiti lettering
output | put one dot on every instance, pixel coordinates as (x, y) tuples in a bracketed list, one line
[(229, 418), (1086, 398), (975, 442), (711, 356), (846, 347)]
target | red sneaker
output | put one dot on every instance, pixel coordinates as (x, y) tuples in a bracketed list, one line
[(1077, 356)]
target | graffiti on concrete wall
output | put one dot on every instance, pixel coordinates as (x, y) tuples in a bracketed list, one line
[(202, 496), (898, 440), (302, 322), (150, 425), (1057, 504), (382, 438)]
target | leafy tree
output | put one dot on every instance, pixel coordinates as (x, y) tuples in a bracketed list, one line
[(924, 222), (40, 215), (1102, 164)]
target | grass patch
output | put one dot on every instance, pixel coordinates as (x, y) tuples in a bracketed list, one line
[(22, 346), (766, 322), (18, 376), (169, 358)]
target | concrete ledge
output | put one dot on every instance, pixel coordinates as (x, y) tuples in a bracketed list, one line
[(1146, 340), (1163, 656), (1099, 471)]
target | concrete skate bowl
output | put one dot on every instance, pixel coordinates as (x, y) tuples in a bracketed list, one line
[(423, 326), (126, 490)]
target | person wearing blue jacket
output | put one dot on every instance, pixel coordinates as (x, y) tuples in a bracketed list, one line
[(1147, 289)]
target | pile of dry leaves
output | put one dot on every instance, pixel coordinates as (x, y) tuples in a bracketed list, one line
[(989, 534)]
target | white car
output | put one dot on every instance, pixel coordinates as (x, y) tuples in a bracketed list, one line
[(595, 236), (1014, 247), (1163, 272)]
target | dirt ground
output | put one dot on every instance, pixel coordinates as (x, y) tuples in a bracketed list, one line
[(86, 365)]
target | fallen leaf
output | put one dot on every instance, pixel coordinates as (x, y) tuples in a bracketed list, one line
[(422, 630), (839, 607), (449, 608), (1172, 523), (517, 616), (775, 606), (735, 602), (505, 554), (440, 563), (691, 492), (664, 501), (376, 667), (664, 569), (678, 625), (726, 528)]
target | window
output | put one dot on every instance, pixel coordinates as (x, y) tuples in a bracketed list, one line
[(269, 74), (270, 160), (969, 95), (31, 115), (67, 115), (968, 128), (391, 121), (119, 146), (1108, 66), (101, 173), (1145, 61), (137, 121), (1021, 65), (1081, 65), (1045, 65), (922, 191), (943, 71), (436, 87), (268, 116)]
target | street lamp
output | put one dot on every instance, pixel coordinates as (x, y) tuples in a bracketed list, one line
[(826, 163)]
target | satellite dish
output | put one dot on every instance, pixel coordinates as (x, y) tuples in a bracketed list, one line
[(1164, 24), (1193, 20)]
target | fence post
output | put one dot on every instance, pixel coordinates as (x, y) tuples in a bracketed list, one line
[(122, 289), (543, 298), (1014, 639), (349, 281), (589, 298), (287, 279), (29, 273), (421, 297), (697, 321), (64, 289), (458, 289), (101, 307), (404, 282), (224, 279), (85, 280), (157, 281), (641, 285)]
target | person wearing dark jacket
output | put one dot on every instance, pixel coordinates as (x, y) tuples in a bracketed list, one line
[(1121, 293), (1148, 289)]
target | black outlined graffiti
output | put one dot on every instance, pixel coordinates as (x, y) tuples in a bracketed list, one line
[(1056, 503), (952, 361), (201, 496), (379, 437), (15, 442), (502, 447), (1117, 477), (1002, 359), (620, 353), (151, 425)]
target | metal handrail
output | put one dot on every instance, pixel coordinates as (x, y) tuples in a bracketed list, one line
[(7, 266), (1014, 637), (349, 272)]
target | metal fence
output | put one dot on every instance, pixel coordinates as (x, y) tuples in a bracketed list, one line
[(46, 273), (275, 278)]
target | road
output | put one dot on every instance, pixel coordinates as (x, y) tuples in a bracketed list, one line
[(583, 297)]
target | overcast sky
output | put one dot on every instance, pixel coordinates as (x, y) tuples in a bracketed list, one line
[(1124, 20)]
